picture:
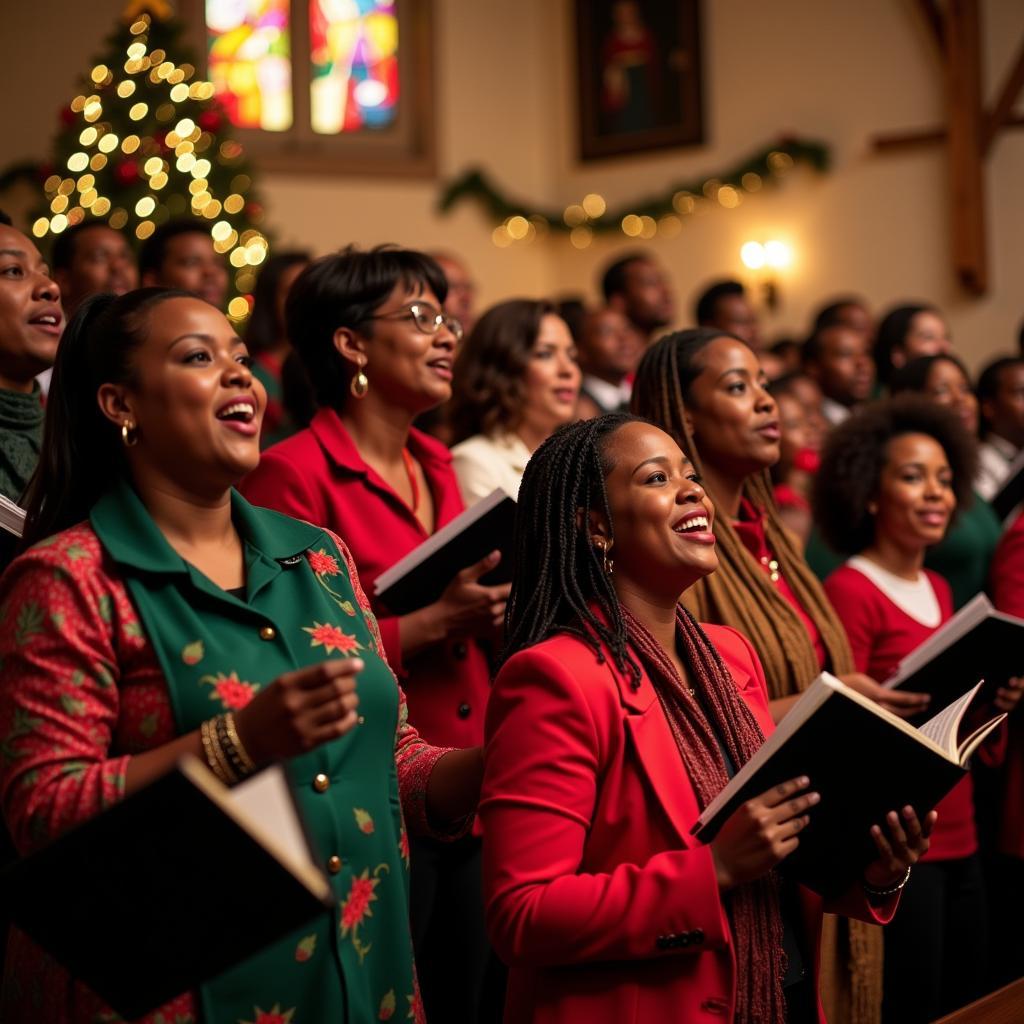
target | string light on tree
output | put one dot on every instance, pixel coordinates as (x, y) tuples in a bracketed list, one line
[(145, 141)]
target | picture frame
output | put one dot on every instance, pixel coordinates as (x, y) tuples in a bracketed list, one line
[(639, 76)]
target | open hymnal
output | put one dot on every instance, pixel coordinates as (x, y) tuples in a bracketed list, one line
[(171, 886), (864, 761)]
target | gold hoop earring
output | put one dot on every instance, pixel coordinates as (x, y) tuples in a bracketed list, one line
[(607, 564), (360, 384), (129, 433)]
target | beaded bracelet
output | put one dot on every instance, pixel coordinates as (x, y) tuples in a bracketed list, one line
[(248, 764), (229, 749), (881, 893)]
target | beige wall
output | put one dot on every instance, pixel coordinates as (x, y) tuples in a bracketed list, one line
[(841, 71)]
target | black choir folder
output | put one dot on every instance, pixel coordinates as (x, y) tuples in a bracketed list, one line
[(420, 578), (1011, 491), (171, 886), (864, 761), (977, 643)]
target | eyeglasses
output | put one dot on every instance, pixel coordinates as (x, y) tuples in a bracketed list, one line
[(426, 318)]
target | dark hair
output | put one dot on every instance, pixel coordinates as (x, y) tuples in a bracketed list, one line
[(154, 249), (989, 383), (573, 310), (82, 454), (264, 330), (707, 301), (784, 385), (811, 350), (667, 372), (62, 252), (830, 315), (783, 346), (892, 334), (297, 392), (856, 453), (613, 280), (345, 289), (559, 583), (487, 392), (5, 220), (913, 376)]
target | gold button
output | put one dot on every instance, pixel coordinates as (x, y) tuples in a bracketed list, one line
[(268, 633), (321, 782), (334, 864)]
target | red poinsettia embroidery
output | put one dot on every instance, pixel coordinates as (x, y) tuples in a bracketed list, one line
[(355, 907), (332, 638), (416, 1012), (403, 844), (272, 1016), (323, 564), (231, 691)]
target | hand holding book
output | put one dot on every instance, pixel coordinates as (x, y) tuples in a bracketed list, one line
[(766, 829)]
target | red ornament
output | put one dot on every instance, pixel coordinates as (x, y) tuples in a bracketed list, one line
[(210, 120), (127, 172)]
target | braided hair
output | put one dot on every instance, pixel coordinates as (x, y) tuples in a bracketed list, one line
[(560, 583)]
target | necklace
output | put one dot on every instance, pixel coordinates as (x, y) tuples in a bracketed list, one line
[(410, 469)]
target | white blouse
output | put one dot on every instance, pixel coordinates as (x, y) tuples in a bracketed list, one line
[(483, 463)]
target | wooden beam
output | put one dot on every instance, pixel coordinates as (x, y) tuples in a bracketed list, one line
[(963, 88), (1001, 112), (934, 20), (886, 141)]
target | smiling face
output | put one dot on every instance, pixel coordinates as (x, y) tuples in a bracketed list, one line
[(733, 420), (196, 405), (927, 335), (947, 385), (101, 261), (661, 517), (915, 493), (192, 264), (551, 379), (31, 319)]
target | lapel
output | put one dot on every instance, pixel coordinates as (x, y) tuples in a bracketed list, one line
[(657, 753)]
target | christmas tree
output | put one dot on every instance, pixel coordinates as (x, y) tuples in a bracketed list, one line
[(145, 141)]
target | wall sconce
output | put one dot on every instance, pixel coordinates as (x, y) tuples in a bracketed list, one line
[(765, 258)]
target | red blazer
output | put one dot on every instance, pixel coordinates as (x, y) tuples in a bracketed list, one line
[(318, 475), (1007, 587), (597, 896)]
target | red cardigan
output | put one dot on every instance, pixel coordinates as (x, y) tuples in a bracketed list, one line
[(318, 475), (1007, 586), (881, 634), (604, 906)]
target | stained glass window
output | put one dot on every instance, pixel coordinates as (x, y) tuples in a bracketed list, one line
[(354, 73), (249, 54)]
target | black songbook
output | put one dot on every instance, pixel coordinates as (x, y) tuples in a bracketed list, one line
[(976, 643), (170, 887), (1011, 491), (420, 578), (864, 761)]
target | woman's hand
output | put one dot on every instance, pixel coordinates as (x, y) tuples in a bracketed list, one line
[(300, 710), (1008, 697), (906, 843), (468, 608), (761, 833), (900, 702)]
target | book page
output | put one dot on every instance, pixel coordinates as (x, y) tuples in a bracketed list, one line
[(267, 800), (943, 727)]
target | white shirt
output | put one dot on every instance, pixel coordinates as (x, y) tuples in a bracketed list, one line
[(915, 597), (610, 397), (994, 457), (833, 411), (482, 463)]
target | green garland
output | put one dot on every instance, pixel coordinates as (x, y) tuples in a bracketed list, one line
[(637, 218)]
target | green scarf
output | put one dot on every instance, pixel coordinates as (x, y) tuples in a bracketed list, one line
[(21, 438)]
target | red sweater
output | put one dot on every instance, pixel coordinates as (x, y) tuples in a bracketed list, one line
[(881, 634), (1008, 596)]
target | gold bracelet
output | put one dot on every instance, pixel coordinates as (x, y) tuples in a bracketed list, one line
[(215, 755), (247, 763)]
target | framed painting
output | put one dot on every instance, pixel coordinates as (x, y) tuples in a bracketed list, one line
[(639, 74)]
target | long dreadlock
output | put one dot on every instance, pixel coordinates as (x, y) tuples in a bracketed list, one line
[(559, 578)]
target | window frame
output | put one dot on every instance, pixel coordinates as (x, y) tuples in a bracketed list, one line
[(406, 150)]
